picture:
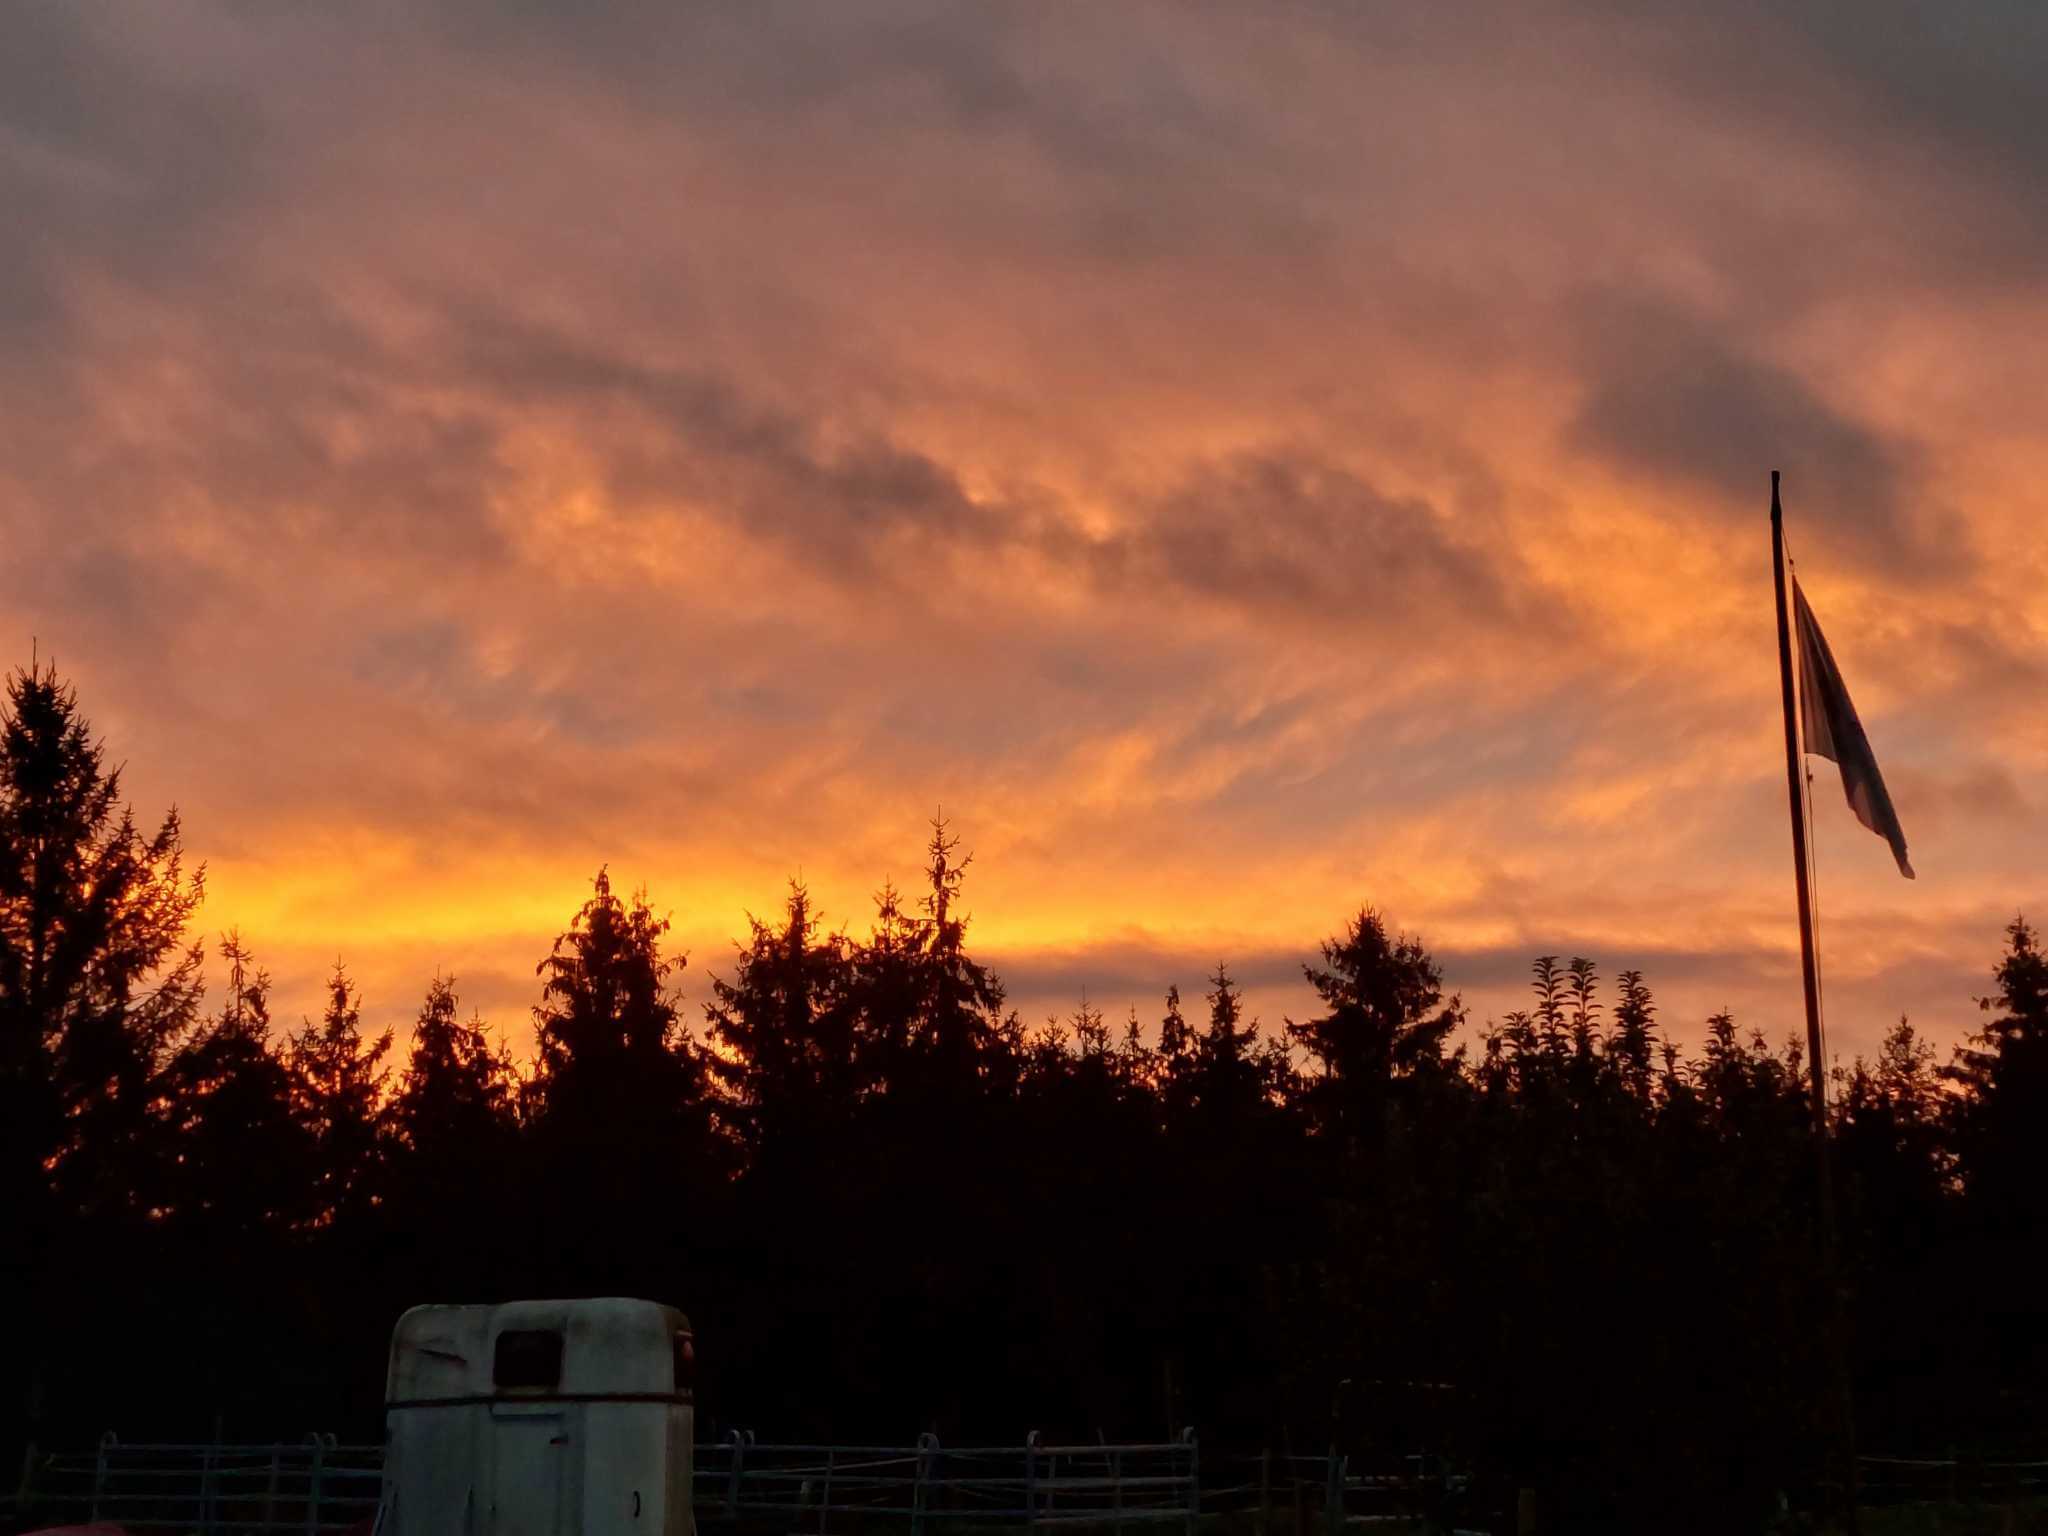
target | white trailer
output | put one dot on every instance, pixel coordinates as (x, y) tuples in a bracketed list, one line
[(539, 1418)]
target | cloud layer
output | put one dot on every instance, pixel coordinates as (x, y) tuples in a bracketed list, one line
[(1241, 462)]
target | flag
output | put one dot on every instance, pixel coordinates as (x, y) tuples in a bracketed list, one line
[(1828, 721)]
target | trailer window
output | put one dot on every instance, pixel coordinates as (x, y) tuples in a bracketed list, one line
[(528, 1358), (686, 1362)]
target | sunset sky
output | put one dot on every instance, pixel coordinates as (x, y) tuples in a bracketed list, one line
[(1243, 461)]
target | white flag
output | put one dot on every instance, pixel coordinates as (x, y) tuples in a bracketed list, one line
[(1832, 731)]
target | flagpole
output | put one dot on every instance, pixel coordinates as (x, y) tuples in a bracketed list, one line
[(1844, 1485), (1817, 1094)]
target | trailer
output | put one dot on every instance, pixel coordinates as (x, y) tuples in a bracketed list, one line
[(539, 1418)]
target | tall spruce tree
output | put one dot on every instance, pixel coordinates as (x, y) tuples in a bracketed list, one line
[(2000, 1074), (787, 1028), (458, 1205), (455, 1103), (962, 1033), (621, 1128), (1229, 1072), (338, 1080), (244, 1162), (1385, 1018), (608, 1037), (98, 989), (97, 985), (1175, 1070), (886, 984)]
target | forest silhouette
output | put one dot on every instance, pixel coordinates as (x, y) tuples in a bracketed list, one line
[(1556, 1247)]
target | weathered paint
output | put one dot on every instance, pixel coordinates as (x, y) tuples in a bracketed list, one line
[(603, 1451)]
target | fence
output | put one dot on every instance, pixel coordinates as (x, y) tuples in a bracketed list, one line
[(1909, 1480), (320, 1485), (314, 1486), (928, 1489), (841, 1487)]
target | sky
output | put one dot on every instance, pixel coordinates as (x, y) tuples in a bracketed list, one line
[(1242, 462)]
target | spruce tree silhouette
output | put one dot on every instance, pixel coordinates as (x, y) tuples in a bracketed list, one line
[(240, 1184), (621, 1133), (1998, 1130), (97, 989), (788, 1030), (337, 1085), (1174, 1073), (961, 1033), (2000, 1073), (455, 1224), (245, 1163), (1387, 1019), (1893, 1183), (456, 1095)]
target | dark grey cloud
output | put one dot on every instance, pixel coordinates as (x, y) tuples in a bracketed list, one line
[(1989, 665), (1983, 792), (1504, 971), (1951, 88), (713, 442), (106, 149), (1759, 986), (1277, 532), (435, 659), (1120, 106), (1670, 394), (1969, 75), (1119, 975)]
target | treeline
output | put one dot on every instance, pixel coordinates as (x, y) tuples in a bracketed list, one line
[(1557, 1248)]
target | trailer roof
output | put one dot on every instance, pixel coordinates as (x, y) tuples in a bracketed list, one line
[(608, 1346)]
